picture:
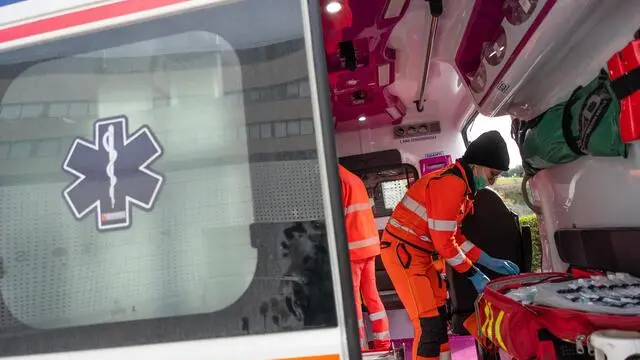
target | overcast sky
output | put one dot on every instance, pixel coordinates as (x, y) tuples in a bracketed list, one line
[(503, 124)]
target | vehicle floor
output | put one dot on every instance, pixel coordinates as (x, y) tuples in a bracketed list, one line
[(462, 348)]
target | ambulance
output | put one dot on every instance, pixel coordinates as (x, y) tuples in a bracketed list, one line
[(169, 168)]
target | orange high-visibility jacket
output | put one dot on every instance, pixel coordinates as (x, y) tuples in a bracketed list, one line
[(429, 215), (362, 233)]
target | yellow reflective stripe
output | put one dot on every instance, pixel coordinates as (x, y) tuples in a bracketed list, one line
[(378, 315), (442, 225), (456, 260), (414, 207), (467, 246), (490, 327), (498, 334), (357, 207), (485, 324), (363, 243)]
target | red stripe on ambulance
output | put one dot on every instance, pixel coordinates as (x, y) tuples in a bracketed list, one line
[(82, 17)]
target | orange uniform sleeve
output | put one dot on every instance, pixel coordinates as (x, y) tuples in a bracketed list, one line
[(345, 192), (345, 188), (447, 195), (468, 248), (360, 225)]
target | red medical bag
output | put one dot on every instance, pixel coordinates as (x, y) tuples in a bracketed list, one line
[(523, 330)]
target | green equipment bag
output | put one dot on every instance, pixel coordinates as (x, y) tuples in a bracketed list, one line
[(586, 124)]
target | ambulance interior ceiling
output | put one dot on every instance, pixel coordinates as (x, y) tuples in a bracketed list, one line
[(565, 47), (390, 41)]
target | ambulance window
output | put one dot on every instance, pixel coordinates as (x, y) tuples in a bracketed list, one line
[(4, 149), (392, 192), (387, 185), (508, 185), (160, 182)]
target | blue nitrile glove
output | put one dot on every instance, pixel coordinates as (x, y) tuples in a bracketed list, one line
[(478, 279), (504, 267)]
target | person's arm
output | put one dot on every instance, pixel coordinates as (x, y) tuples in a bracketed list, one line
[(478, 256), (447, 196), (468, 248), (346, 191)]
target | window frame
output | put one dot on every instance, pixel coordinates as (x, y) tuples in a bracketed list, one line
[(194, 327), (467, 126), (378, 185), (323, 121)]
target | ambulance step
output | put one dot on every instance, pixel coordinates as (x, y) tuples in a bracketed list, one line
[(395, 354)]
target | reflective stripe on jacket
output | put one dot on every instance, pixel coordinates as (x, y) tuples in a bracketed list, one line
[(430, 213), (360, 225)]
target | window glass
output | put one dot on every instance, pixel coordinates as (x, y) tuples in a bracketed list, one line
[(5, 147), (142, 186), (305, 92), (392, 192), (48, 147), (20, 150), (10, 112), (293, 127), (265, 130), (387, 185), (280, 129), (32, 110), (508, 185), (293, 89), (306, 126), (58, 110)]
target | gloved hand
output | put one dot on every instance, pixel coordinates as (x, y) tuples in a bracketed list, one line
[(504, 267), (479, 280)]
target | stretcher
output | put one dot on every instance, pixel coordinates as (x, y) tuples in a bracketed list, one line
[(393, 354)]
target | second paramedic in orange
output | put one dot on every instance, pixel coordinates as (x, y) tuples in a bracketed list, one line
[(364, 247)]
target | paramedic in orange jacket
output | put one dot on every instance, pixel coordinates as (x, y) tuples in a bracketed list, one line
[(364, 246), (425, 227)]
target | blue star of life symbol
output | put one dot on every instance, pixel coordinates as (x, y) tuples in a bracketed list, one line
[(113, 173)]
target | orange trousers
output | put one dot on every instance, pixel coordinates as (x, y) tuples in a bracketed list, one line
[(363, 273), (423, 292)]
